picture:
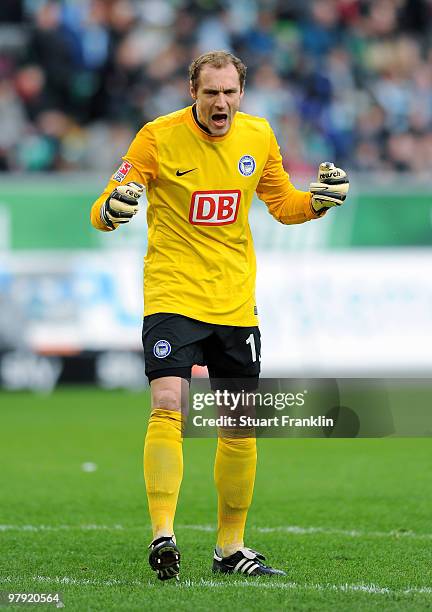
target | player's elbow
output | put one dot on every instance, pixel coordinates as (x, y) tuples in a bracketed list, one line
[(288, 217), (292, 207)]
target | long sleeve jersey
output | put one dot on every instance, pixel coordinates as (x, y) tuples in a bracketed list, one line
[(200, 261)]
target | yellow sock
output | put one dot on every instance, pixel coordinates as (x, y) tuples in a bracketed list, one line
[(235, 467), (163, 468)]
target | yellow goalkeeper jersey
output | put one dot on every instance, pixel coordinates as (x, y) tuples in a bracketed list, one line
[(200, 260)]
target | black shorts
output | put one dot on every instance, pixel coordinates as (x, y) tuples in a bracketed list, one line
[(174, 343)]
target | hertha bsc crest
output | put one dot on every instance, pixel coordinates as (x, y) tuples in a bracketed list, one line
[(246, 165), (162, 349)]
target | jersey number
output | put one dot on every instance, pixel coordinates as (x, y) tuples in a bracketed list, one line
[(251, 341)]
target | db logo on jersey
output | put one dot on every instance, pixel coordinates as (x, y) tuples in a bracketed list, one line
[(214, 207)]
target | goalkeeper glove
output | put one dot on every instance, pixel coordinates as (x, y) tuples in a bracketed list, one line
[(330, 189), (121, 205)]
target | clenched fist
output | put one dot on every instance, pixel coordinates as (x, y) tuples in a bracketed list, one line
[(330, 189), (121, 205)]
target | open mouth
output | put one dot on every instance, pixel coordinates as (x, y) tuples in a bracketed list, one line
[(220, 119)]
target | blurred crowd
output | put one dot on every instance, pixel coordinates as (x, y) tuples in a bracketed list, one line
[(345, 80)]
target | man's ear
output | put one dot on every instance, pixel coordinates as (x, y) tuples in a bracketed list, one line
[(242, 93), (192, 90)]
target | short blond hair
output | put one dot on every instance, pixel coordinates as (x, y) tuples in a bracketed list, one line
[(217, 59)]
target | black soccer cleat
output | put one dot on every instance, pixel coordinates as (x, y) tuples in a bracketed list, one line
[(164, 558), (244, 561)]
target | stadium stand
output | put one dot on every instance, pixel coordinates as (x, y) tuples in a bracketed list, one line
[(346, 80)]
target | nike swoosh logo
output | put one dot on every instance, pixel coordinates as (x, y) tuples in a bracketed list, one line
[(178, 173)]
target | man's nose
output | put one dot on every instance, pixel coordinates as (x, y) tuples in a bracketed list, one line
[(221, 100)]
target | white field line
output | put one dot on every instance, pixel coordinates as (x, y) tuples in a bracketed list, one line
[(371, 589), (288, 529)]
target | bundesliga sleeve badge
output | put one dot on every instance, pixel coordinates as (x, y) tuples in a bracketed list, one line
[(122, 172)]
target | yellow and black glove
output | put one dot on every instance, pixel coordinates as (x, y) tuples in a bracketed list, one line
[(121, 205), (330, 189)]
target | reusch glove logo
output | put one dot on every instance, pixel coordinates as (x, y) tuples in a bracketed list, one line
[(332, 174), (214, 207)]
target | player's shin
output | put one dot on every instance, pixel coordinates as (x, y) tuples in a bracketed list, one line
[(163, 469), (235, 467)]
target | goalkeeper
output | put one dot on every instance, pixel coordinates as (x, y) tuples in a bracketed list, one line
[(201, 166)]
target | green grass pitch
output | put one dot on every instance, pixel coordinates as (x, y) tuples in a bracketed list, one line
[(349, 520)]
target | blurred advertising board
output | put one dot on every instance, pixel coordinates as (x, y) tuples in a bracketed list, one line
[(67, 316), (354, 313), (382, 211), (349, 294)]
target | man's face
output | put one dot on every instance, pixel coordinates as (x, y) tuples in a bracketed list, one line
[(217, 97)]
